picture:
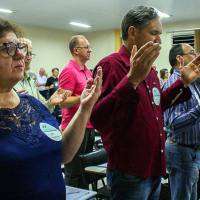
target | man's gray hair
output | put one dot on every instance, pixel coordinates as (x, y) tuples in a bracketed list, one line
[(74, 41), (138, 17)]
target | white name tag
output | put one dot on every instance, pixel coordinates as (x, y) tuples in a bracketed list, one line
[(156, 96), (51, 132)]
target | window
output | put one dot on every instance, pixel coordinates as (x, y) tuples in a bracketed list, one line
[(183, 38)]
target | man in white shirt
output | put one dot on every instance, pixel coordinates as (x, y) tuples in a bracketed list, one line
[(41, 83)]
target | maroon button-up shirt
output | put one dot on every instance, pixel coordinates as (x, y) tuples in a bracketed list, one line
[(131, 121)]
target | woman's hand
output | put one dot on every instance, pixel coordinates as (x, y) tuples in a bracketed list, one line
[(58, 97), (91, 92)]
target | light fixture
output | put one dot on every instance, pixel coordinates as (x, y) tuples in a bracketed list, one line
[(162, 14), (80, 24), (6, 11)]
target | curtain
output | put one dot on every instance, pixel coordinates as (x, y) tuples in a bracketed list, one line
[(197, 40)]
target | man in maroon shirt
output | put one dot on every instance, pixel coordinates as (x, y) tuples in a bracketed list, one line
[(129, 113)]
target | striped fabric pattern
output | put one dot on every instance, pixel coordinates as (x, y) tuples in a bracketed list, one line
[(185, 115)]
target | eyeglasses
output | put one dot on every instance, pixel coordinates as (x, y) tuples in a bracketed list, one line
[(30, 54), (85, 47), (10, 49), (192, 52)]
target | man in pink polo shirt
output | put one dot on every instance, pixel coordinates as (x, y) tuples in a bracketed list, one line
[(73, 79)]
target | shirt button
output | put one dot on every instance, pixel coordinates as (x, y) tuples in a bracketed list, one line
[(162, 151), (157, 118), (161, 135), (147, 86)]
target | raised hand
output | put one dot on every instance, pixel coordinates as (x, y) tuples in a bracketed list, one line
[(141, 62), (58, 97), (190, 72), (92, 91)]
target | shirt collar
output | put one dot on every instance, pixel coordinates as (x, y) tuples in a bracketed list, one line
[(125, 54), (176, 72), (77, 66), (27, 76)]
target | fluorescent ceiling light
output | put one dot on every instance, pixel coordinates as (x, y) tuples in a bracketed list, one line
[(5, 10), (80, 24), (162, 14)]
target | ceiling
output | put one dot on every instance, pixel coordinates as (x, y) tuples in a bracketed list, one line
[(100, 14)]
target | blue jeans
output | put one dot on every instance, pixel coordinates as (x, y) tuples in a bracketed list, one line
[(127, 187), (183, 166)]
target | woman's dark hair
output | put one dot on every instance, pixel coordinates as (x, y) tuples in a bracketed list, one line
[(6, 26), (138, 17), (55, 68)]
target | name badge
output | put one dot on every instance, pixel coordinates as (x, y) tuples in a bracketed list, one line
[(51, 132), (156, 96)]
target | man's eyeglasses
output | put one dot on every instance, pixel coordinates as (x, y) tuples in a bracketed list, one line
[(192, 52), (84, 47), (10, 49)]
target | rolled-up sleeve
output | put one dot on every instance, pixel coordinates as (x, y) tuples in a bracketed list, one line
[(185, 120)]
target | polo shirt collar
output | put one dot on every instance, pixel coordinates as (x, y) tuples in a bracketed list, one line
[(77, 66)]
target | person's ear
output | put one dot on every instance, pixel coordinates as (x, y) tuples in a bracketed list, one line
[(75, 51), (180, 60), (132, 32)]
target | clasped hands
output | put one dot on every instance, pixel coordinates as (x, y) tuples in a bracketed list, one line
[(142, 60)]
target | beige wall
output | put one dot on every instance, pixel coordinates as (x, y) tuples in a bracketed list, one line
[(50, 47), (162, 61), (103, 43)]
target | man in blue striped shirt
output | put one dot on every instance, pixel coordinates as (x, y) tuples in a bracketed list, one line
[(182, 124)]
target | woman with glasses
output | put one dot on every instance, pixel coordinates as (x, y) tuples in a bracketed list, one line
[(31, 145)]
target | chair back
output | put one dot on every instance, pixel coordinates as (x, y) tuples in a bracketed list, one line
[(94, 158)]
